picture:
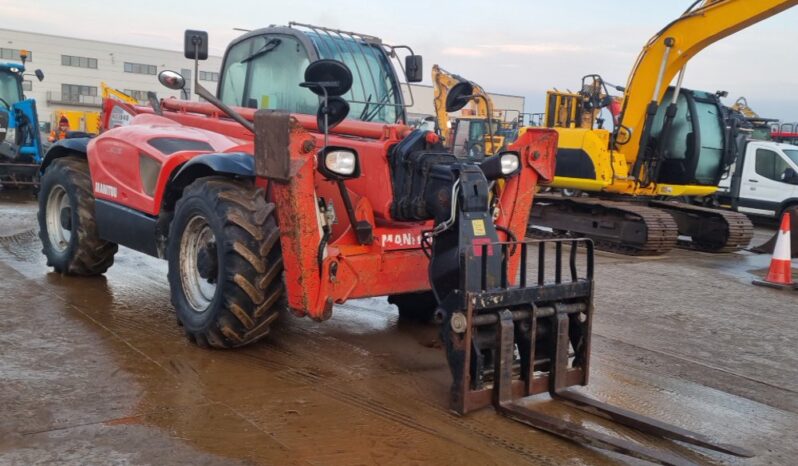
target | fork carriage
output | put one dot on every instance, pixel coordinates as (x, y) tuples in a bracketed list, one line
[(516, 335)]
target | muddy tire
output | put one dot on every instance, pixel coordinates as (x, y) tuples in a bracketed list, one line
[(415, 307), (67, 224), (225, 264)]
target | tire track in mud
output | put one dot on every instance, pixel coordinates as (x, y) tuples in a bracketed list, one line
[(123, 320), (440, 415), (22, 247)]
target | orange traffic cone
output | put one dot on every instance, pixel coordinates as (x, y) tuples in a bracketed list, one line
[(780, 273)]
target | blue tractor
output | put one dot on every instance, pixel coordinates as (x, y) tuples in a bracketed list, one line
[(20, 141)]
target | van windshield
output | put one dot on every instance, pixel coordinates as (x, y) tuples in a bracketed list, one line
[(792, 154)]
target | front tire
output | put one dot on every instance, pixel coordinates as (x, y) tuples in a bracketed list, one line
[(67, 224), (225, 264)]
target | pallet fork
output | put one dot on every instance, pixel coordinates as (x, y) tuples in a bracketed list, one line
[(507, 342)]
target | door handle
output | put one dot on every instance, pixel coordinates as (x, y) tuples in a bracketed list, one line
[(754, 181)]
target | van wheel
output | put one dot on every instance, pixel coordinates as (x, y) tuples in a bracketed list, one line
[(225, 264), (67, 224)]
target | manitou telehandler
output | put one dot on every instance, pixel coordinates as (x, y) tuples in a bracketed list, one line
[(299, 186)]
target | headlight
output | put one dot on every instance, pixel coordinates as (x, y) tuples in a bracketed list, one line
[(510, 163), (339, 163), (502, 165)]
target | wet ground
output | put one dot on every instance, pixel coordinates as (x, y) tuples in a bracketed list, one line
[(96, 371)]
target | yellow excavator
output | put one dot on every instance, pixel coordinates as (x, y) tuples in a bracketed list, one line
[(666, 143), (472, 135)]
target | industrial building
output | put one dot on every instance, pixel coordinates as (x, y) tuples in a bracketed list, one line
[(74, 68)]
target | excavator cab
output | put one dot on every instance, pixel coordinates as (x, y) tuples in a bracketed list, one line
[(692, 144)]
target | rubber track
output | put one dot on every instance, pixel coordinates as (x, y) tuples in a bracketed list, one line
[(739, 227), (661, 227)]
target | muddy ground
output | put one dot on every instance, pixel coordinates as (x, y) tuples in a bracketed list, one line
[(96, 371)]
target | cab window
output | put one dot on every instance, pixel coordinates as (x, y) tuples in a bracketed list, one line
[(10, 90), (770, 164), (264, 72)]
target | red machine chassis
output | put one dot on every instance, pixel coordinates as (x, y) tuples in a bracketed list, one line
[(394, 263)]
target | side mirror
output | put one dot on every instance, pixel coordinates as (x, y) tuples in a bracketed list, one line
[(329, 79), (330, 113), (195, 45), (172, 80), (413, 68), (789, 176), (459, 95), (39, 75)]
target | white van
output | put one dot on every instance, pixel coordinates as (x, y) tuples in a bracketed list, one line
[(763, 180)]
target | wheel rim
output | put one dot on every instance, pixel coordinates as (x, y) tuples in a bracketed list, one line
[(59, 216), (198, 238)]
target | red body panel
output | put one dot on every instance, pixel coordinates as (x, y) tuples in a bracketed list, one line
[(393, 263)]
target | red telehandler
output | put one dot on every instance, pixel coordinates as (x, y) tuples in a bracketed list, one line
[(299, 186)]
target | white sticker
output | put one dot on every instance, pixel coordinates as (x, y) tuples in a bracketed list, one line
[(119, 117)]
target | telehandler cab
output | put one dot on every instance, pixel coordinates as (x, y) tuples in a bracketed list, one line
[(267, 196)]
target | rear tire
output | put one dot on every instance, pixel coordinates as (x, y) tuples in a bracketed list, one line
[(225, 264), (67, 224), (415, 307)]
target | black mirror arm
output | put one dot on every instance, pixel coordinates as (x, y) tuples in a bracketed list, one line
[(154, 103), (200, 90)]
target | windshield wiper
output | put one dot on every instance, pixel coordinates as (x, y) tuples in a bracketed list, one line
[(270, 45), (378, 106)]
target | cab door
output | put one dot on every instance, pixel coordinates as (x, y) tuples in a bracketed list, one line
[(761, 187)]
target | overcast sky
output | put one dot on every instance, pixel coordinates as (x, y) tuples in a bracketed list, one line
[(508, 46)]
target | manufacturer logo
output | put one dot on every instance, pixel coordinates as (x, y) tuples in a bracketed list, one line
[(400, 240), (106, 189)]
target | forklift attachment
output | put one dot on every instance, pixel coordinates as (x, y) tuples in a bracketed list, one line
[(517, 338)]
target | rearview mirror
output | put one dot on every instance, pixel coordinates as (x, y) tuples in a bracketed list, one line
[(335, 110), (328, 78), (789, 176), (39, 75), (195, 45), (459, 95), (413, 68), (172, 80)]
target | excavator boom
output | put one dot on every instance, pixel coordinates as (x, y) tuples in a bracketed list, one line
[(666, 142), (673, 46)]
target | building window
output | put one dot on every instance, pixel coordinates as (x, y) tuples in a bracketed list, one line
[(27, 85), (141, 96), (74, 92), (13, 54), (140, 68), (209, 76), (80, 62)]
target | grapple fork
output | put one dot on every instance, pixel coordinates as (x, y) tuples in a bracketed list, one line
[(511, 341)]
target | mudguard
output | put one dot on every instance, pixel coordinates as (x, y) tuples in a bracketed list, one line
[(239, 164), (63, 148)]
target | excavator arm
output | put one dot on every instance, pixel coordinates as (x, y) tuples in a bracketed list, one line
[(668, 52), (453, 92)]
